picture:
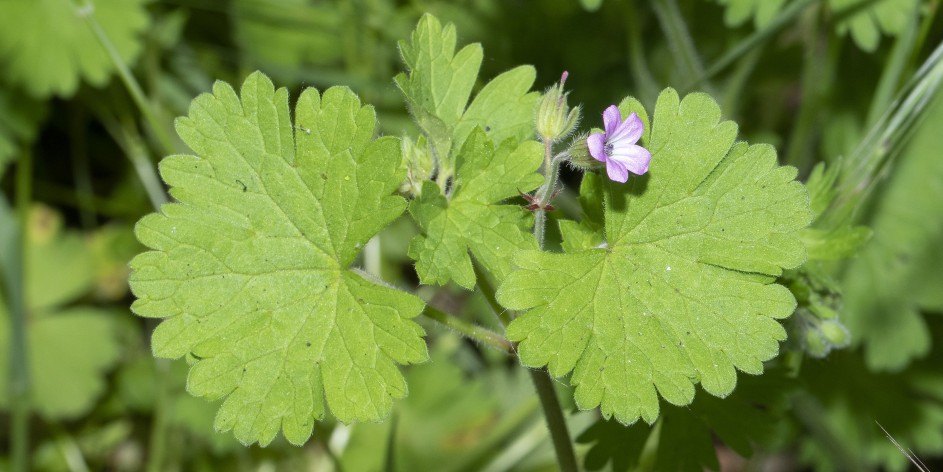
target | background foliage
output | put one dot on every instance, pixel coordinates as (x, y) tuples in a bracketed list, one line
[(811, 77)]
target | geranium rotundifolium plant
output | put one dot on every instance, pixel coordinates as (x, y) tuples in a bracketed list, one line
[(668, 281)]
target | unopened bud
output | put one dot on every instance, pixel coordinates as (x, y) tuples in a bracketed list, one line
[(418, 162), (579, 154), (555, 120)]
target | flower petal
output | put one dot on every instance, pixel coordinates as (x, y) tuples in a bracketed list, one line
[(617, 171), (611, 118), (597, 146), (630, 130), (634, 158)]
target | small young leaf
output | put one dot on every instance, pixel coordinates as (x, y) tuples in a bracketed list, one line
[(250, 269), (46, 47), (683, 293), (473, 220), (438, 84), (439, 81)]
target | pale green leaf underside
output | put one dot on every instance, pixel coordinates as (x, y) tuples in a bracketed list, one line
[(683, 293), (46, 47), (474, 221), (250, 268)]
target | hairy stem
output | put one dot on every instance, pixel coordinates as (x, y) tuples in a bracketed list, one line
[(472, 331)]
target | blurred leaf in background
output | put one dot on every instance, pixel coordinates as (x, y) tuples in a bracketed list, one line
[(898, 276), (71, 345), (47, 48), (864, 20)]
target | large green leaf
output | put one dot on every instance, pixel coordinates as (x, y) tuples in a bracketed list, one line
[(684, 291), (251, 272)]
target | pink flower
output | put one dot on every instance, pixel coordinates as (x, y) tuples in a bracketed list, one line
[(616, 147)]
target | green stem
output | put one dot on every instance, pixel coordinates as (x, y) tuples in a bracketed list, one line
[(556, 423), (883, 142), (80, 168), (553, 413), (125, 133), (817, 75), (894, 70), (498, 436), (487, 290), (545, 192), (647, 85), (158, 435), (86, 11), (733, 89), (682, 47), (783, 19), (19, 341), (471, 331), (519, 449)]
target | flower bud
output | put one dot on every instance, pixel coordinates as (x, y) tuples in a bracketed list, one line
[(555, 120), (579, 155), (419, 165)]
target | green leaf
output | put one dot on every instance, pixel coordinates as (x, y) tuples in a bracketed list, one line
[(685, 437), (71, 349), (683, 293), (67, 371), (439, 81), (47, 47), (19, 116), (864, 23), (588, 233), (438, 84), (250, 269), (762, 11), (898, 274), (845, 402), (473, 220)]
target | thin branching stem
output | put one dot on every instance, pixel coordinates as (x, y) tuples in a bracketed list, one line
[(471, 331)]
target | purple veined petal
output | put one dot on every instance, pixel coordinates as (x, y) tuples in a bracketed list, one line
[(630, 130), (597, 146), (617, 171), (634, 158), (611, 118)]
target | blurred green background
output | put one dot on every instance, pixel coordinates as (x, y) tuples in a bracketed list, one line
[(86, 112)]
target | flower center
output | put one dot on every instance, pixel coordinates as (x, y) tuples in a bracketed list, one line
[(608, 149)]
